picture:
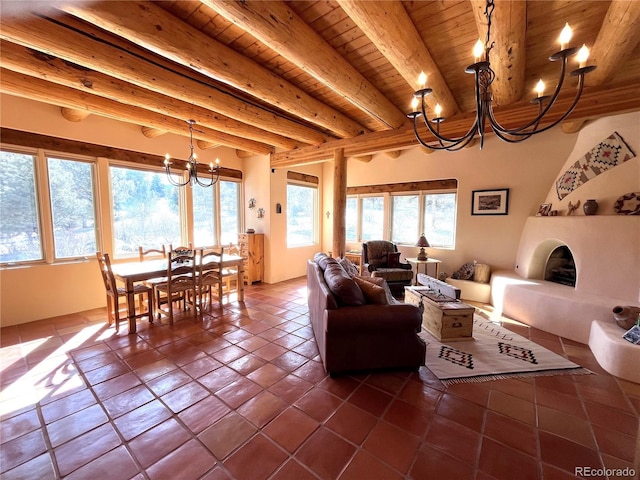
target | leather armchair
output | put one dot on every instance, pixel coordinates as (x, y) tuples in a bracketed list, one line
[(381, 259)]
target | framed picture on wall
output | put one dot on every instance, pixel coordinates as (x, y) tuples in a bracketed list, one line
[(490, 202)]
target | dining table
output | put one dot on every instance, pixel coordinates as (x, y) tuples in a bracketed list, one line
[(131, 272)]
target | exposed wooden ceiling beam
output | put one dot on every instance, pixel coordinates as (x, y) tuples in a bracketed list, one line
[(25, 86), (389, 27), (150, 132), (19, 59), (202, 145), (153, 28), (71, 114), (595, 102), (508, 59), (572, 126), (282, 30), (616, 41), (54, 39)]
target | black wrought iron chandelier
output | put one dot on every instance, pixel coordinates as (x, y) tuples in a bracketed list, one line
[(191, 172), (484, 76)]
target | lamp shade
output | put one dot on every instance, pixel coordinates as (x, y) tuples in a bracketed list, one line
[(422, 241)]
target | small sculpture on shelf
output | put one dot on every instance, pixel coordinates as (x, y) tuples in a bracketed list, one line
[(572, 207)]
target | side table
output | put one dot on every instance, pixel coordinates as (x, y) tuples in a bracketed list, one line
[(425, 264)]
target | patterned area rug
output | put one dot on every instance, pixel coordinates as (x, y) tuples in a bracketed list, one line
[(494, 353), (607, 154)]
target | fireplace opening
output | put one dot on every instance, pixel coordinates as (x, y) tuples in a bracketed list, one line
[(560, 267)]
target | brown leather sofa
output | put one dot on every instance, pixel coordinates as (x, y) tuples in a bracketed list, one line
[(353, 335)]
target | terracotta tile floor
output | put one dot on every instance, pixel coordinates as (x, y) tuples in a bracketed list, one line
[(241, 394)]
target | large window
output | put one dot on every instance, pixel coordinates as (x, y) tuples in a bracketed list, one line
[(145, 210), (50, 209), (302, 208), (372, 224), (351, 222), (229, 211), (20, 236), (204, 225), (440, 219), (405, 218), (73, 209), (402, 212)]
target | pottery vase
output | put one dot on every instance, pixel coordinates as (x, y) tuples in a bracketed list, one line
[(590, 207), (626, 317)]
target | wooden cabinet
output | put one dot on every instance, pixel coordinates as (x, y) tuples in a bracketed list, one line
[(251, 247)]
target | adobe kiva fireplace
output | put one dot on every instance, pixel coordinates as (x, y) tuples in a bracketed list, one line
[(597, 264), (560, 267)]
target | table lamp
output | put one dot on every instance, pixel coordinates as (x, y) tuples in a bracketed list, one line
[(422, 242)]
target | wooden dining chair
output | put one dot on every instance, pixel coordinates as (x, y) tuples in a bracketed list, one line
[(151, 252), (181, 278), (209, 275), (114, 293), (230, 274)]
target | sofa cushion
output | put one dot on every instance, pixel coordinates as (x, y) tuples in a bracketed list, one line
[(393, 274), (322, 259), (372, 293), (345, 289)]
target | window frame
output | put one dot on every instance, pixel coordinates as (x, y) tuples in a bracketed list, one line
[(48, 192)]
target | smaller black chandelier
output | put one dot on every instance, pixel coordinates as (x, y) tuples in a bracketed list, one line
[(192, 167), (484, 76)]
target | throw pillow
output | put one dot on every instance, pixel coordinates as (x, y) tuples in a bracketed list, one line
[(393, 259), (349, 267), (465, 272), (372, 293), (381, 282), (342, 285)]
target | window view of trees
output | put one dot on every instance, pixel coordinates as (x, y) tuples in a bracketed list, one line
[(405, 219), (229, 211), (301, 215), (372, 218), (20, 238), (204, 226), (440, 219), (351, 222), (145, 210), (72, 207)]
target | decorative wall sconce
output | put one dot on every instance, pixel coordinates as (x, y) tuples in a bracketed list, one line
[(252, 203), (261, 213), (328, 214)]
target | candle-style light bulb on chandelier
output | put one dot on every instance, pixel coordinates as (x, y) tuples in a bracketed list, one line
[(192, 167), (484, 76)]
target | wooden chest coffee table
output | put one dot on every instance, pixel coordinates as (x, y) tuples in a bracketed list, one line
[(443, 317)]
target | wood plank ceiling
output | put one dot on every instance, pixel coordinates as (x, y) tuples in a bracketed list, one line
[(299, 79)]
